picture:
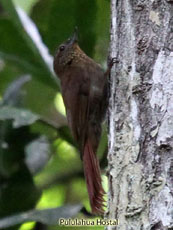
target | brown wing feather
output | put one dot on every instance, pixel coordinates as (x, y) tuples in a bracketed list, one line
[(83, 112)]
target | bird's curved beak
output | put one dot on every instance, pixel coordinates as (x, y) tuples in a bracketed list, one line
[(74, 38)]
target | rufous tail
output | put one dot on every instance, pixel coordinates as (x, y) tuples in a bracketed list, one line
[(93, 179)]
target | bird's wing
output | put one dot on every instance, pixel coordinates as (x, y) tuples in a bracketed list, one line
[(76, 98), (82, 100)]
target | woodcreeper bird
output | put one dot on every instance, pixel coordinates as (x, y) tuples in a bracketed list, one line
[(84, 91)]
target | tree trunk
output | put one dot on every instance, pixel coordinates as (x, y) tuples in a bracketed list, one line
[(141, 115)]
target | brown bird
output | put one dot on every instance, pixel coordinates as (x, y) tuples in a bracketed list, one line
[(84, 91)]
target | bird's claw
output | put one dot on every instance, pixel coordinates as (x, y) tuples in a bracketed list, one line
[(113, 61)]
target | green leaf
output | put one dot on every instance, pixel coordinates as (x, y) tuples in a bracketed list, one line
[(13, 92), (16, 50), (26, 44), (86, 23), (26, 5), (24, 52), (20, 117), (8, 73), (47, 216), (56, 21), (102, 31)]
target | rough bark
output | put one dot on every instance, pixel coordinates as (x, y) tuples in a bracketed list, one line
[(141, 115)]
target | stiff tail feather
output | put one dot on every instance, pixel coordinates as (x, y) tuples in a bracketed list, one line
[(93, 179)]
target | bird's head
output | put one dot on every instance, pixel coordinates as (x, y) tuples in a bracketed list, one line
[(66, 52)]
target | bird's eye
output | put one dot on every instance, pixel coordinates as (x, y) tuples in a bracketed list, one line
[(61, 48)]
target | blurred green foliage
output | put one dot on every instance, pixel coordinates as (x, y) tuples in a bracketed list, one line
[(39, 163)]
